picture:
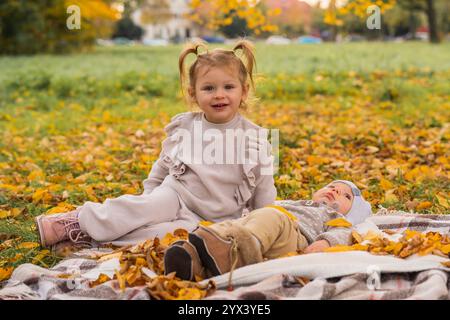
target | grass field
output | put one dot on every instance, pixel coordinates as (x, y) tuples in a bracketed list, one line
[(87, 127)]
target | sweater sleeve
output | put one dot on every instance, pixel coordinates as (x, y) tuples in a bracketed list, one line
[(265, 192), (336, 236), (156, 176), (160, 169)]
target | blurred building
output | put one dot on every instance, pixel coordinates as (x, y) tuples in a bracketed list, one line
[(165, 20)]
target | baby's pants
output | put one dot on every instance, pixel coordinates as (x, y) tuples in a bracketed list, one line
[(277, 233), (129, 219)]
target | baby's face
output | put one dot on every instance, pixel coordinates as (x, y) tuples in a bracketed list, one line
[(337, 195)]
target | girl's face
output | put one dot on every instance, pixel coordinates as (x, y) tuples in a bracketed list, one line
[(218, 92), (337, 195)]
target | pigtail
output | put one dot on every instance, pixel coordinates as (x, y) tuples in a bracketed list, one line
[(248, 51), (190, 48)]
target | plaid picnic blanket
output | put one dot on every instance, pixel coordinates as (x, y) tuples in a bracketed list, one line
[(339, 275)]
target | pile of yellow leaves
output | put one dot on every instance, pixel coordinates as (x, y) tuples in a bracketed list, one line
[(412, 242), (140, 261)]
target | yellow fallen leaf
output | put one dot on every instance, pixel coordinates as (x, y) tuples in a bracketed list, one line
[(36, 175), (339, 222), (189, 294), (283, 210), (389, 196), (445, 202), (61, 207), (445, 249), (102, 278), (120, 280), (385, 184), (4, 214), (28, 245), (15, 212), (372, 149), (339, 248), (117, 255), (424, 205), (360, 247), (205, 223), (41, 195), (357, 236), (371, 235), (5, 273)]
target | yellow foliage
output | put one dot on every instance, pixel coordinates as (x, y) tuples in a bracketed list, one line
[(339, 222), (283, 210)]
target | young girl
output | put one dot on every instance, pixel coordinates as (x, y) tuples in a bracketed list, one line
[(180, 190)]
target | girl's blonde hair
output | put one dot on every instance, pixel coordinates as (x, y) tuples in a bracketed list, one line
[(218, 58)]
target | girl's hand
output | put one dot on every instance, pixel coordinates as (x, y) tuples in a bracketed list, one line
[(317, 246)]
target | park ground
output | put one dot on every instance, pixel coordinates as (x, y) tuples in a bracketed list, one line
[(87, 127)]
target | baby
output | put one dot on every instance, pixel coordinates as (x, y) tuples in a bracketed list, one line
[(269, 232)]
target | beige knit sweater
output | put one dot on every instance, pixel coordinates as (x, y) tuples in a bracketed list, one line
[(213, 190)]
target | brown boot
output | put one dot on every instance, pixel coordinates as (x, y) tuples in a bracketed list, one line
[(225, 246), (182, 258)]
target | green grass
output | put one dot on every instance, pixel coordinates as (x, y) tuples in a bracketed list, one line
[(108, 63)]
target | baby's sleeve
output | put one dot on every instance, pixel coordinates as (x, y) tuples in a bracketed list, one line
[(336, 236)]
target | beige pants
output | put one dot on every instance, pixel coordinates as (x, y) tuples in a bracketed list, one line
[(277, 233)]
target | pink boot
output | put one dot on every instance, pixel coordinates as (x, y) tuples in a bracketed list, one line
[(59, 227)]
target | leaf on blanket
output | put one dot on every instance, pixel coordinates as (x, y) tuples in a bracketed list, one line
[(135, 262), (101, 279), (445, 249), (169, 288), (357, 237), (412, 242), (178, 234), (342, 248), (110, 256), (339, 222)]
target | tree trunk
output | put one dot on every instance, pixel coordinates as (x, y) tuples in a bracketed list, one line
[(432, 23)]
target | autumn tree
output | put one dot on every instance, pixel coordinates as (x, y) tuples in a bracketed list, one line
[(215, 14), (28, 27), (334, 15), (429, 8)]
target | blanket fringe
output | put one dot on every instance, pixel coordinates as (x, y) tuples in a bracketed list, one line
[(18, 291)]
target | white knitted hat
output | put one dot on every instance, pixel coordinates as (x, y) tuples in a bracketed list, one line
[(360, 209)]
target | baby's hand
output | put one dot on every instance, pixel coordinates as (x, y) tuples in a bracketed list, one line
[(317, 246)]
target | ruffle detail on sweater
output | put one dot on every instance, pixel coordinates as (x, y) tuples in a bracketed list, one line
[(171, 145), (246, 189), (176, 168)]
